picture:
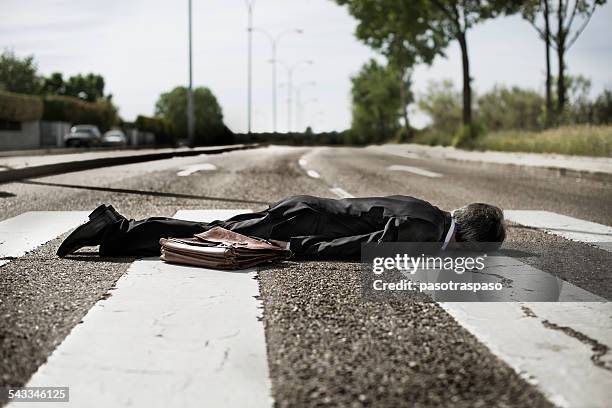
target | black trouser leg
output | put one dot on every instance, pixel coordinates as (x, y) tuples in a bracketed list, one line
[(141, 238)]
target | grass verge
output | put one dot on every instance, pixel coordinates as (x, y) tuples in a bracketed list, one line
[(582, 140)]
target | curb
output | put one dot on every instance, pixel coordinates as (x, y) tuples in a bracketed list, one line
[(552, 169), (80, 165)]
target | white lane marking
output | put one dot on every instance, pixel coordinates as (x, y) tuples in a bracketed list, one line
[(414, 170), (195, 168), (313, 174), (557, 364), (341, 192), (302, 162), (168, 336), (570, 228), (526, 283), (25, 232)]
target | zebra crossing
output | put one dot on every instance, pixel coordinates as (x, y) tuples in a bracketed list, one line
[(166, 330)]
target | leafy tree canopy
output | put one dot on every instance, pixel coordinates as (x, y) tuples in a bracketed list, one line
[(209, 127), (18, 74), (88, 87), (376, 103)]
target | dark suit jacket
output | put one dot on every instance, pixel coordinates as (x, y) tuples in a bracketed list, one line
[(325, 228)]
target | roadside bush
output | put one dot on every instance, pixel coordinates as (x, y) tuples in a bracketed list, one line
[(73, 110), (19, 107), (582, 140), (467, 135), (510, 108), (433, 137), (163, 129)]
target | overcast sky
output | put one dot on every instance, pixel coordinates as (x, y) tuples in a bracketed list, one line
[(140, 47)]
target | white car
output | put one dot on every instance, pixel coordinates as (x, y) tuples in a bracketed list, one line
[(114, 137)]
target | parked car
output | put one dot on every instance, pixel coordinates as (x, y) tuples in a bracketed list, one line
[(114, 137), (83, 135)]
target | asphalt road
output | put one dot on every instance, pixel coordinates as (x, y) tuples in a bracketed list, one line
[(326, 345)]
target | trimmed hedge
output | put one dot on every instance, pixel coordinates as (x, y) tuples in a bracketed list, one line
[(19, 107), (75, 111), (162, 129)]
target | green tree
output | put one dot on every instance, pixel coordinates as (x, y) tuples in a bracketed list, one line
[(18, 75), (569, 19), (88, 87), (423, 29), (209, 127), (510, 108), (602, 108), (531, 11), (375, 103), (442, 103)]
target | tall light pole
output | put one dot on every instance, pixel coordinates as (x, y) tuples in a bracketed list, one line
[(190, 118), (274, 41), (298, 101), (290, 69), (250, 4)]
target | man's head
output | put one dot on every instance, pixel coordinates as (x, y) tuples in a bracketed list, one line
[(479, 223)]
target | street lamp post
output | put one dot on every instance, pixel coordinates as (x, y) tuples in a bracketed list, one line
[(290, 89), (190, 118), (274, 42), (250, 4), (298, 101)]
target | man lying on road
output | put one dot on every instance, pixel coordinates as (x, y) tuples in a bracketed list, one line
[(311, 227)]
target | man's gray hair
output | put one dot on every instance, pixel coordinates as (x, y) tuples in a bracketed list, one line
[(478, 224)]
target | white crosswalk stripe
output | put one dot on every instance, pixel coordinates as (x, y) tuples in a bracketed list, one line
[(25, 232), (567, 227), (168, 336)]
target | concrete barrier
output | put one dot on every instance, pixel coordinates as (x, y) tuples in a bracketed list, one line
[(87, 164)]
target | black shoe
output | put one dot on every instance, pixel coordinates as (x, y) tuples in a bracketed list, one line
[(88, 234)]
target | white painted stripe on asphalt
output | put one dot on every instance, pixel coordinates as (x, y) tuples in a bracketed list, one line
[(570, 228), (557, 363), (195, 168), (25, 232), (313, 174), (302, 162), (525, 283), (341, 192), (414, 170), (168, 336)]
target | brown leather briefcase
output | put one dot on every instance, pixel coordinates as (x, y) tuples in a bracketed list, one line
[(219, 248)]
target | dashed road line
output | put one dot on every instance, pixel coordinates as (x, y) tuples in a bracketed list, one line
[(168, 335), (414, 170), (341, 192), (566, 227), (313, 174), (25, 232), (196, 168)]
